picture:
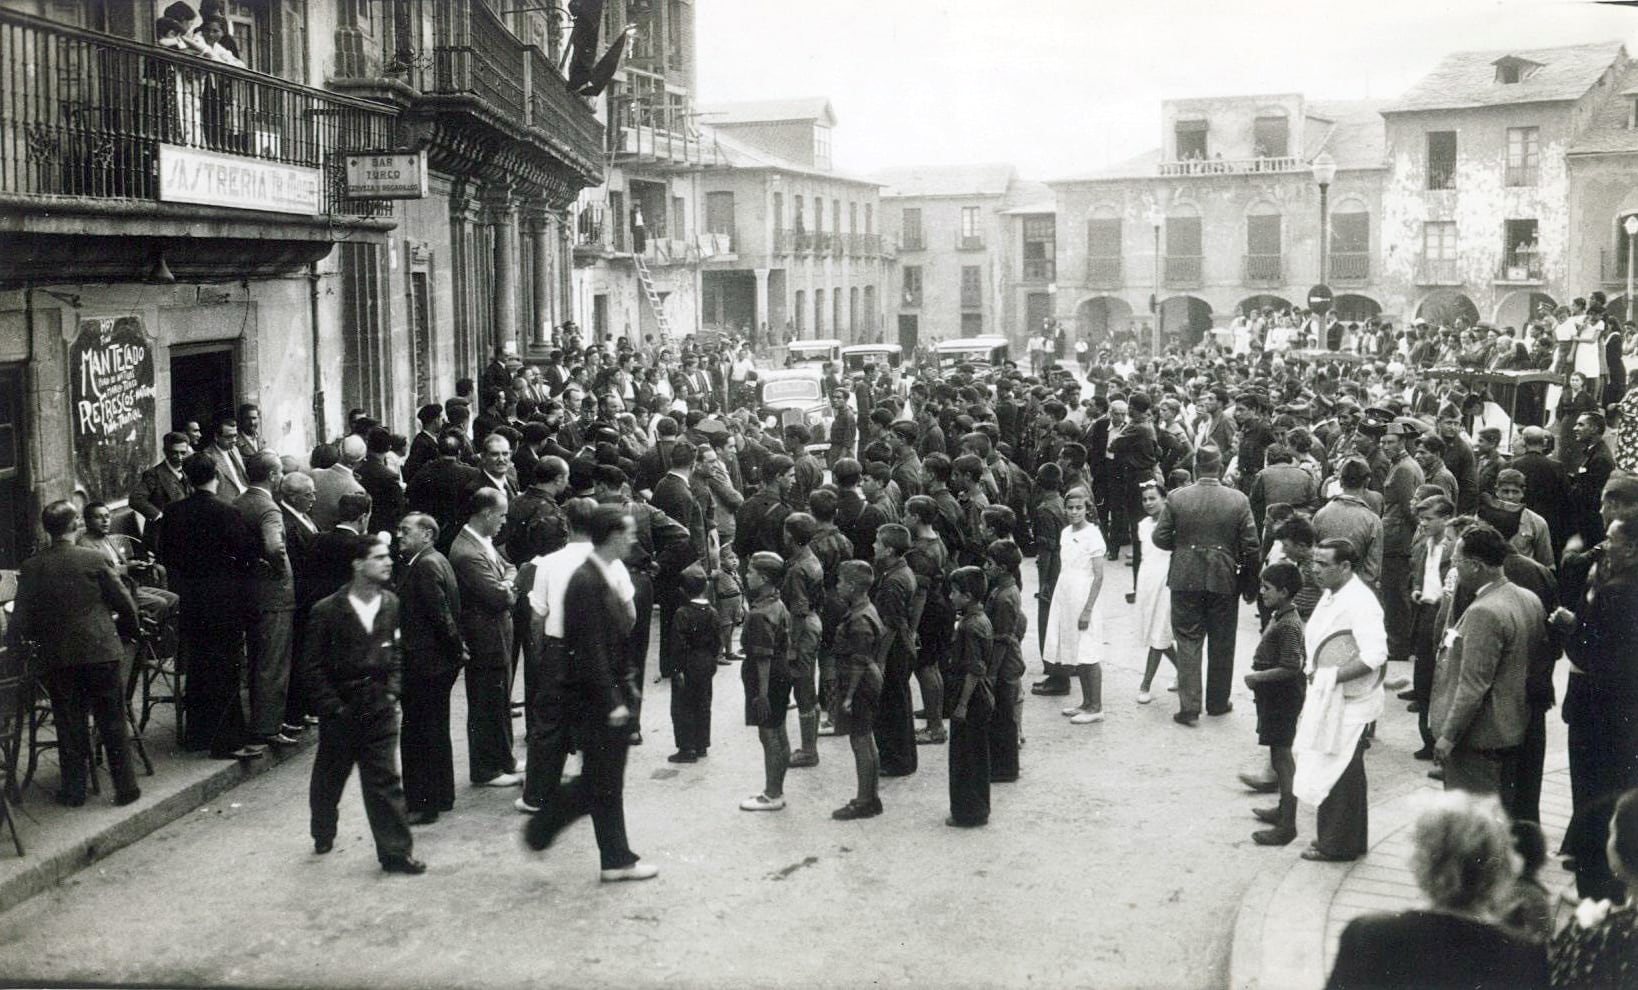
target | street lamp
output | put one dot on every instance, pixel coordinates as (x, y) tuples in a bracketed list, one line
[(1325, 170), (1157, 219), (1630, 225)]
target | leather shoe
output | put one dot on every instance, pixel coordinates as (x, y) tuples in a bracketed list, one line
[(953, 822), (1437, 773), (1314, 854), (1425, 753), (683, 756), (804, 758), (1406, 696), (1414, 708), (407, 865), (422, 817), (1260, 785), (1049, 688), (636, 740), (128, 797), (1268, 816), (70, 800), (855, 809), (322, 846), (1274, 836), (1221, 711), (1184, 718)]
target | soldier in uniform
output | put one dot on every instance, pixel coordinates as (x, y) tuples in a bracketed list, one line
[(353, 669), (971, 683), (831, 547), (860, 644), (1005, 608), (766, 675), (930, 614), (894, 597), (803, 591)]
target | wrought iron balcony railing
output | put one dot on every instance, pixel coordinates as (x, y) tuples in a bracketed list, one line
[(1263, 267), (1183, 270), (1349, 266), (1232, 166), (1104, 272), (86, 115)]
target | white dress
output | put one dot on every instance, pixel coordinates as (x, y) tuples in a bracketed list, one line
[(1154, 599), (1065, 644)]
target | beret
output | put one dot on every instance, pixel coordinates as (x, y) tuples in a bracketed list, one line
[(767, 563)]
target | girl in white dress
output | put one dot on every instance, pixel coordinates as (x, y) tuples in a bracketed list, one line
[(1074, 627), (1154, 600)]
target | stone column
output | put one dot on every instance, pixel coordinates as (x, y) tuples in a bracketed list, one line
[(761, 315), (503, 213), (539, 224)]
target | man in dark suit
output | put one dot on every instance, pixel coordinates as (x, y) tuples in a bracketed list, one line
[(486, 595), (353, 669), (1546, 486), (656, 461), (207, 551), (300, 532), (379, 481), (273, 605), (430, 599), (1209, 529), (1601, 699), (162, 484), (72, 605), (441, 488), (674, 496), (600, 692), (1587, 483), (424, 445), (330, 555), (224, 451)]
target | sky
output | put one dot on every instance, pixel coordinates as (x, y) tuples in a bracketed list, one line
[(1063, 87)]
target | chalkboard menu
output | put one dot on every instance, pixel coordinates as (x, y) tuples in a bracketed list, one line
[(111, 404)]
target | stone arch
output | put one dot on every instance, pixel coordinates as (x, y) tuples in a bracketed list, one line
[(1353, 308), (1443, 306), (1100, 318), (1261, 301), (1516, 308), (1185, 317)]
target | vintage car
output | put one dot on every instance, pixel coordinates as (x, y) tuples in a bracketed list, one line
[(986, 355), (890, 356), (812, 353), (793, 397)]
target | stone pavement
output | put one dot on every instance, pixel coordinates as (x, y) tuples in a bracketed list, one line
[(1293, 914)]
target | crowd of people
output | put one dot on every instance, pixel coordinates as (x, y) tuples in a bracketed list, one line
[(1362, 505)]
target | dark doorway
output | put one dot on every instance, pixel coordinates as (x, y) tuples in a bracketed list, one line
[(202, 383), (909, 333), (16, 519)]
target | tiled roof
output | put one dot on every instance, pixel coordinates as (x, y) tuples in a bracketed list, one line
[(989, 180), (1607, 129), (1144, 166), (1351, 130), (1468, 79), (769, 111), (1025, 196), (735, 153)]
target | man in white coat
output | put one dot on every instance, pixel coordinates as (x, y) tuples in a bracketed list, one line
[(1342, 700)]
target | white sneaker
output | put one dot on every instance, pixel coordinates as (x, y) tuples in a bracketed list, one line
[(636, 871), (502, 780), (1071, 711), (1086, 718), (524, 806), (1144, 697), (762, 802)]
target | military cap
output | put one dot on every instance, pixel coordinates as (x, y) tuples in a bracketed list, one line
[(711, 428), (768, 564), (1400, 429)]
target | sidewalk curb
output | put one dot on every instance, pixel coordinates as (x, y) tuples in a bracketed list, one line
[(45, 871)]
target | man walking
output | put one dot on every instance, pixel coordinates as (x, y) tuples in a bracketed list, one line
[(353, 670), (1208, 528)]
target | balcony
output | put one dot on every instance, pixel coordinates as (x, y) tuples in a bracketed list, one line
[(823, 243), (1265, 268), (969, 242), (804, 242), (1349, 266), (1522, 175), (1104, 272), (1441, 174), (1438, 271), (1040, 270), (657, 131), (1233, 166), (1521, 268), (911, 242), (1183, 271), (783, 241)]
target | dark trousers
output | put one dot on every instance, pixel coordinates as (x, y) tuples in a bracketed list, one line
[(547, 721), (970, 763), (295, 701), (1197, 616), (424, 743), (369, 739), (691, 709), (1532, 755), (1424, 644), (215, 715), (895, 725), (1603, 751), (1003, 730), (268, 642), (1394, 594), (667, 596), (488, 719), (642, 601), (92, 690), (1343, 820), (1483, 771), (599, 790)]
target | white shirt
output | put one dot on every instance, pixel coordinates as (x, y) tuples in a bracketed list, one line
[(1354, 608), (552, 573), (365, 610), (1433, 585)]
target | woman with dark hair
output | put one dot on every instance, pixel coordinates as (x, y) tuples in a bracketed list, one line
[(1600, 947)]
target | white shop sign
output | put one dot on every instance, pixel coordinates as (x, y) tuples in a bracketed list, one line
[(188, 175), (388, 175)]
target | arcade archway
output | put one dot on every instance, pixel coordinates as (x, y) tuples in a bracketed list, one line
[(1262, 302), (1186, 318), (1099, 319), (1444, 307), (1351, 308)]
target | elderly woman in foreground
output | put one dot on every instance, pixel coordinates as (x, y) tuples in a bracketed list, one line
[(1464, 864)]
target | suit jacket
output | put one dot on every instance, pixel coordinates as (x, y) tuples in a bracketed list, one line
[(208, 551), (274, 583), (298, 546), (347, 669), (329, 485), (1419, 560), (423, 450), (230, 469), (1601, 648), (156, 489), (486, 602), (598, 666), (386, 494), (1479, 699), (1546, 490), (430, 599), (73, 606), (1210, 531), (440, 490), (1432, 949), (675, 497), (330, 562), (653, 465)]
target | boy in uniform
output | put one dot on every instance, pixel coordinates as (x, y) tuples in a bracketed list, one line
[(971, 677), (1005, 608), (696, 640), (766, 676), (860, 640)]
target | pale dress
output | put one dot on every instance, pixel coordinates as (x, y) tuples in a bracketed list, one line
[(1065, 644), (1154, 599)]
